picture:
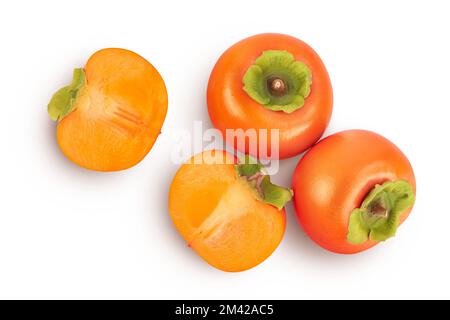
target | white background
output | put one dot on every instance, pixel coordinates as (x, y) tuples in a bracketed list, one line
[(66, 232)]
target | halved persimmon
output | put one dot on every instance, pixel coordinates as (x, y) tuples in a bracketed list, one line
[(228, 212), (111, 114)]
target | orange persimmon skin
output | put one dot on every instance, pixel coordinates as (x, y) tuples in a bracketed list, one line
[(335, 176), (219, 216), (118, 114), (230, 107)]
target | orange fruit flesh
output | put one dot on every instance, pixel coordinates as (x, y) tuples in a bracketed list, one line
[(220, 217), (118, 113)]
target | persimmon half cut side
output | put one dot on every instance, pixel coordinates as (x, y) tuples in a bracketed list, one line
[(112, 113), (222, 216), (265, 83), (352, 191)]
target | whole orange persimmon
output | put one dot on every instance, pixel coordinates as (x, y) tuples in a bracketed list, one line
[(228, 212), (270, 82), (111, 114), (352, 190)]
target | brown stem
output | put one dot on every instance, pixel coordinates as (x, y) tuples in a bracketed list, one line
[(277, 86), (258, 178), (377, 209)]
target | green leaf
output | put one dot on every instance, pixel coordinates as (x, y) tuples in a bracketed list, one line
[(275, 195), (282, 65), (366, 222), (253, 171), (248, 166), (275, 59), (288, 108), (59, 103), (63, 101), (254, 88), (358, 232)]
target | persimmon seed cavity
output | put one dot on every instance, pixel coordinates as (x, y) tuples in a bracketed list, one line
[(277, 86)]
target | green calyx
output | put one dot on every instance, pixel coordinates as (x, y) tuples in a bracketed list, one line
[(63, 101), (268, 192), (278, 82), (379, 215)]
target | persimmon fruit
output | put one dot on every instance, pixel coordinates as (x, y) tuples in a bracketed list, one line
[(229, 213), (111, 114), (270, 82), (352, 190)]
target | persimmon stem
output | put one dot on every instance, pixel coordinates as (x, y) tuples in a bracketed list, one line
[(378, 217), (277, 81), (258, 178), (63, 101), (277, 86), (255, 175), (379, 210)]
